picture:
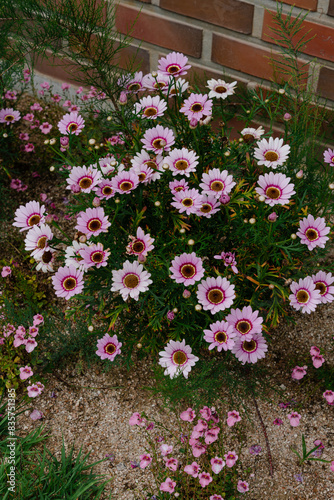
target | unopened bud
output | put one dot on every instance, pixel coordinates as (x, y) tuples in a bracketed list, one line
[(96, 202), (224, 199), (252, 220), (83, 238), (261, 198), (299, 174), (175, 310), (272, 217), (90, 328), (287, 117), (293, 236), (198, 307), (182, 230), (52, 141), (191, 242), (91, 142), (186, 294)]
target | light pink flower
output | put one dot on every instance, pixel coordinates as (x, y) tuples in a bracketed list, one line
[(158, 139), (211, 435), (250, 134), (304, 295), (108, 347), (188, 415), (6, 271), (216, 497), (172, 463), (45, 128), (174, 63), (33, 391), (188, 200), (84, 177), (30, 344), (204, 479), (216, 182), (131, 280), (217, 464), (324, 283), (132, 84), (220, 89), (242, 486), (182, 161), (25, 372), (220, 335), (329, 156), (150, 107), (313, 232), (192, 469), (231, 457), (187, 269), (67, 282), (299, 372), (38, 320), (33, 331), (198, 449), (215, 294), (232, 418), (26, 216), (250, 351), (196, 106), (271, 153), (94, 255), (168, 485), (314, 350), (125, 181), (145, 460), (329, 396), (8, 116), (92, 222), (36, 415), (141, 244), (136, 419), (205, 413), (318, 360), (294, 418), (210, 206), (275, 188), (245, 322), (71, 123), (166, 449)]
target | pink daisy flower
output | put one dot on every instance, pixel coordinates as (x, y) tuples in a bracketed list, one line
[(45, 128), (294, 418), (215, 294), (249, 351), (216, 182), (188, 200), (232, 418), (229, 260), (73, 257), (29, 215), (86, 178), (231, 457), (271, 153), (46, 261), (187, 269), (158, 82), (220, 89), (298, 372), (182, 161), (304, 295), (67, 282), (158, 139), (144, 173), (174, 64), (217, 464), (71, 123), (196, 106), (210, 206), (8, 116), (313, 232), (192, 469), (275, 188), (94, 255), (131, 280), (175, 87), (245, 322), (141, 244), (25, 372), (329, 156), (37, 240), (29, 117), (220, 335), (177, 186), (104, 190), (142, 161), (108, 347), (177, 359), (168, 486), (242, 486), (323, 282), (125, 182), (92, 222), (250, 134), (204, 479), (150, 107), (216, 497), (132, 84)]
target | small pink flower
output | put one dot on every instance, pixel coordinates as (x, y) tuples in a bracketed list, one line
[(30, 344), (33, 391), (36, 415), (278, 421), (192, 469), (204, 479), (38, 320), (233, 418), (172, 464), (231, 457), (6, 271), (318, 360), (217, 464), (198, 449), (211, 435), (45, 128), (136, 419), (332, 466), (145, 460), (329, 396), (314, 350), (188, 415), (166, 449), (216, 497), (168, 485), (299, 372), (28, 148), (25, 372), (294, 418), (205, 413), (242, 486), (33, 331)]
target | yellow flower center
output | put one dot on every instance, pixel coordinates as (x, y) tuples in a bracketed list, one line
[(302, 296), (220, 337), (41, 242), (69, 283), (179, 357), (312, 234), (94, 225), (150, 111), (131, 280), (206, 208), (322, 287), (138, 246), (243, 326), (85, 182), (34, 219), (273, 192), (215, 296), (110, 348), (217, 186), (126, 185), (181, 165), (188, 270), (249, 346), (196, 107), (271, 156)]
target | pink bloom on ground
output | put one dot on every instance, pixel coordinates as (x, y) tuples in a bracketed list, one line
[(198, 449), (250, 351), (15, 184), (204, 479), (141, 244), (136, 419), (166, 449), (332, 466), (324, 283), (187, 269), (25, 372), (217, 464), (145, 460), (38, 320), (174, 63), (29, 148), (294, 418), (242, 486), (26, 216), (216, 497), (71, 123), (231, 457), (313, 232), (211, 435), (177, 358), (30, 344), (197, 106), (67, 282), (318, 360), (172, 464), (188, 415), (299, 372), (314, 350), (278, 421), (36, 415), (33, 391), (8, 116), (304, 295), (6, 271), (329, 156), (45, 128), (220, 335), (18, 339), (108, 347), (245, 322), (215, 294), (205, 413), (36, 107), (33, 331), (45, 85), (92, 222), (168, 485), (192, 469), (29, 117), (329, 396), (233, 418), (24, 137), (65, 86)]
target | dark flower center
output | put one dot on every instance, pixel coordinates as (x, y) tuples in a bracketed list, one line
[(142, 176), (150, 111), (151, 164), (243, 326), (85, 182), (271, 156), (302, 296), (69, 283), (187, 202), (249, 346), (215, 296), (134, 86), (159, 85), (138, 246), (107, 190), (9, 118), (72, 127), (97, 257), (181, 165), (173, 69), (220, 89), (41, 242), (196, 107), (273, 192), (311, 234), (179, 188), (206, 208), (248, 138), (217, 186), (34, 219), (321, 287), (94, 225), (179, 357), (188, 270), (47, 257), (157, 143), (110, 348), (131, 280), (125, 185), (220, 337)]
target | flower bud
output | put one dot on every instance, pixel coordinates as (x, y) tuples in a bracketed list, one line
[(186, 294), (83, 238), (165, 166), (252, 220), (139, 345), (141, 259), (175, 310), (123, 98), (52, 141), (287, 117), (49, 218), (5, 135), (92, 142), (109, 118), (191, 242), (224, 199), (281, 91), (227, 153), (182, 230), (198, 307), (193, 123), (157, 203), (154, 74), (75, 188), (331, 186), (261, 198), (90, 328), (117, 200), (293, 236), (272, 217), (299, 174), (96, 202), (271, 286), (46, 141), (52, 168)]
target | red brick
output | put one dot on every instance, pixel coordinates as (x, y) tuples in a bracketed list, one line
[(155, 29), (331, 8), (246, 57), (325, 84), (141, 58), (303, 4), (322, 45), (231, 14)]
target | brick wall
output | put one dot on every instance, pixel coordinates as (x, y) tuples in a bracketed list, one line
[(226, 37)]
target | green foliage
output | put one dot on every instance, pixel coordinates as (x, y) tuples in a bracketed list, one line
[(306, 455)]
